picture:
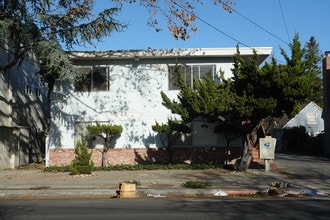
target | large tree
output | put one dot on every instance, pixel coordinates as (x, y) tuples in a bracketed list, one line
[(254, 97), (179, 16), (43, 26)]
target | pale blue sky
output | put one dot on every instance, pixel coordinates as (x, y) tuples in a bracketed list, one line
[(305, 17)]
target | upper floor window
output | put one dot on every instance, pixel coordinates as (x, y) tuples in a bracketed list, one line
[(189, 72), (28, 89), (92, 79), (311, 118)]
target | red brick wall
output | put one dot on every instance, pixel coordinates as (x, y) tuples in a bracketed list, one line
[(197, 155)]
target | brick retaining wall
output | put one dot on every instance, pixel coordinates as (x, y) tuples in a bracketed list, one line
[(118, 156)]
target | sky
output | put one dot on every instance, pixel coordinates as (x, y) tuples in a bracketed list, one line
[(254, 23)]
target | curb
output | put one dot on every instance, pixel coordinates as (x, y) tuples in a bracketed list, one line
[(111, 193)]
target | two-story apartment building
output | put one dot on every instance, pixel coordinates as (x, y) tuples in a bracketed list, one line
[(23, 111), (123, 88)]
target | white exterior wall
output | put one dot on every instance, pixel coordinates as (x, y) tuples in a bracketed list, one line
[(134, 99), (313, 127)]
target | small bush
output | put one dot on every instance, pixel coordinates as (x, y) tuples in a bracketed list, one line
[(136, 182), (196, 184), (141, 167), (57, 169), (82, 163)]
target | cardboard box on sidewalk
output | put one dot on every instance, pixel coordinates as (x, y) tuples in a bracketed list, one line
[(127, 190)]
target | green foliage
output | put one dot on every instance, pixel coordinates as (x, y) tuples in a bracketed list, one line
[(299, 79), (56, 169), (108, 129), (39, 27), (254, 96), (136, 182), (82, 163), (297, 140), (171, 131), (206, 98), (196, 184), (107, 132), (140, 167), (104, 131)]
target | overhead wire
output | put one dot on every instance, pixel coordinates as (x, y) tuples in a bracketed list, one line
[(227, 35), (284, 20), (213, 27), (254, 23)]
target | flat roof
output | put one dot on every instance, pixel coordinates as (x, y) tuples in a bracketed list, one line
[(263, 52)]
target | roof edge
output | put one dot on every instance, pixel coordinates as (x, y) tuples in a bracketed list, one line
[(168, 53)]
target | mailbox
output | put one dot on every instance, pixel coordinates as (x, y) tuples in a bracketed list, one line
[(267, 148)]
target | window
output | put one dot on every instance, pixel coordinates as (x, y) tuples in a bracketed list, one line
[(38, 92), (28, 89), (311, 118), (92, 79), (188, 72)]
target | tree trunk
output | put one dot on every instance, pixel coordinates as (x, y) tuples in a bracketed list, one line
[(227, 153), (250, 141), (246, 154), (104, 157)]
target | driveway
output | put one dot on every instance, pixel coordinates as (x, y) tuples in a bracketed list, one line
[(312, 172)]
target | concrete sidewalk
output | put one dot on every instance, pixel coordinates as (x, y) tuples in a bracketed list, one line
[(161, 183)]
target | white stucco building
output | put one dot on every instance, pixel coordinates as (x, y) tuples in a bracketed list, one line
[(123, 87)]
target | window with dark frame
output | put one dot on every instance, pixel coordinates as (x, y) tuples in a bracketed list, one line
[(28, 89), (188, 72), (92, 79)]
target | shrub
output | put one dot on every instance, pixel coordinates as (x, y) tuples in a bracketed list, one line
[(82, 163), (196, 184), (141, 167), (136, 182)]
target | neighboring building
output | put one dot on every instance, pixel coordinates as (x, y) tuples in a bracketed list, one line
[(123, 88), (23, 112), (309, 117), (326, 101)]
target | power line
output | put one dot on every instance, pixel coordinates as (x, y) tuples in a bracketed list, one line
[(213, 27), (227, 35), (286, 27), (259, 26)]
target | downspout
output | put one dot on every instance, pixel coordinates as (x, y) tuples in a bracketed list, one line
[(47, 151)]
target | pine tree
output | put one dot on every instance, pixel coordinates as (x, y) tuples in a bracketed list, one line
[(82, 163), (251, 100)]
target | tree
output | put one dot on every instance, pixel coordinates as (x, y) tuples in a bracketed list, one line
[(252, 99), (170, 132), (29, 23), (107, 132), (179, 15), (82, 163), (273, 91), (230, 133), (39, 26)]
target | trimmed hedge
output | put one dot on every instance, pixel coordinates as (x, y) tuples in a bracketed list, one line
[(140, 167)]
